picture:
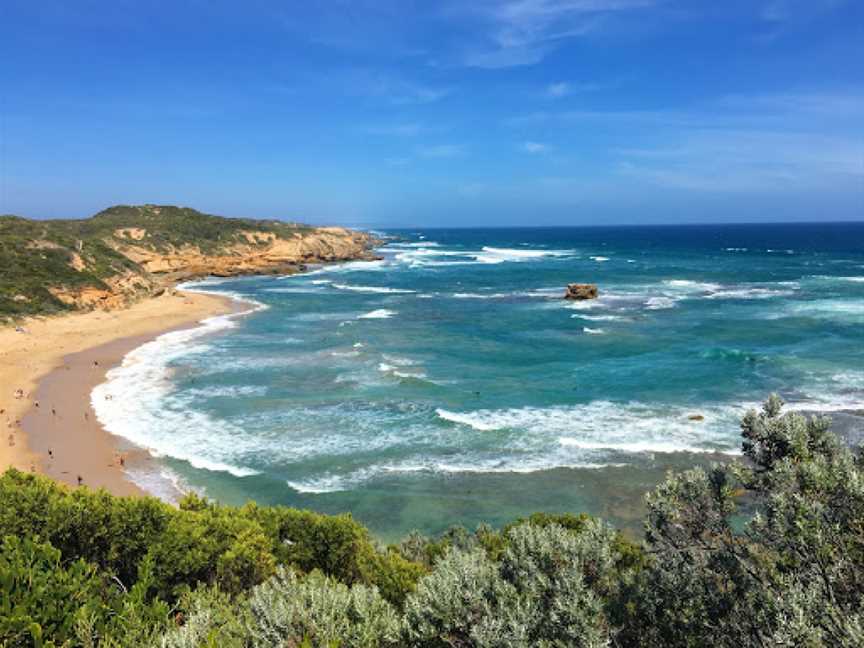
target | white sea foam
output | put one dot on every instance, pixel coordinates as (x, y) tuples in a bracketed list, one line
[(373, 289), (631, 427), (465, 419), (131, 403), (599, 318), (749, 293), (349, 266), (399, 372), (600, 434), (425, 257), (638, 446), (688, 285), (660, 303), (540, 293), (420, 244), (843, 310), (381, 313), (333, 483), (297, 290), (478, 295), (345, 354), (599, 259), (226, 391), (499, 255), (593, 331), (318, 485), (162, 482)]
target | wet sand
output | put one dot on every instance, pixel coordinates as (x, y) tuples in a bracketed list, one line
[(49, 425)]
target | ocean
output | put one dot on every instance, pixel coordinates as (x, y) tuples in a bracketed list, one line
[(450, 383)]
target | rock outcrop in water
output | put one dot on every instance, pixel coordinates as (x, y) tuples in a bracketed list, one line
[(579, 291)]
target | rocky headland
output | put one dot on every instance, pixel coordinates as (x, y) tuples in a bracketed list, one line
[(126, 253)]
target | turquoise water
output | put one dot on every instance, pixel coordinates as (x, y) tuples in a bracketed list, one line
[(450, 383)]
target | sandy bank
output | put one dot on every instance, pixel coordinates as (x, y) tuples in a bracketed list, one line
[(56, 363)]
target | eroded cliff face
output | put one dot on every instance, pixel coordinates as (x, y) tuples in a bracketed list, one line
[(258, 253), (128, 252), (119, 291)]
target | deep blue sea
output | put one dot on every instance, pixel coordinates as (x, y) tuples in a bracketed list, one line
[(450, 382)]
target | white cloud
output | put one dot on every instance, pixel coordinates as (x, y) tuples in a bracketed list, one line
[(567, 88), (387, 88), (473, 189), (523, 31), (769, 143), (398, 130), (442, 151), (534, 147), (746, 161), (561, 89), (494, 59), (782, 11)]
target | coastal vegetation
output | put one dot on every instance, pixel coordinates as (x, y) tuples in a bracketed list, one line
[(127, 252), (767, 551)]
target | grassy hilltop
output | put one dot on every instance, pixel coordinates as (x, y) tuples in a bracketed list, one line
[(114, 257)]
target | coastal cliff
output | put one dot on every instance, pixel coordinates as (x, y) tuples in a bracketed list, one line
[(126, 253)]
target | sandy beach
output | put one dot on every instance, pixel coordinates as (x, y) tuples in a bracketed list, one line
[(48, 367)]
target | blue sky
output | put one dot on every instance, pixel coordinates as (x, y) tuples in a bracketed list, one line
[(510, 112)]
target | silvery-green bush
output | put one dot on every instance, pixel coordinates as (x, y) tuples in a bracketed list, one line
[(288, 610), (791, 573), (537, 595), (208, 617)]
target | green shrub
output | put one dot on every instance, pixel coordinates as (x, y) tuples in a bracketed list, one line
[(208, 618), (793, 577), (286, 610), (42, 600), (540, 594), (210, 546), (114, 533)]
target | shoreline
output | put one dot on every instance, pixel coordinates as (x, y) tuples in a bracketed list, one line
[(50, 370)]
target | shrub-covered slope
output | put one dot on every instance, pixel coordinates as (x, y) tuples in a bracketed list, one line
[(764, 553), (127, 252)]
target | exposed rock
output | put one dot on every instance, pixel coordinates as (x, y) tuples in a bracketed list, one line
[(87, 298), (134, 233), (581, 291), (696, 417), (126, 253), (259, 253), (76, 261)]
